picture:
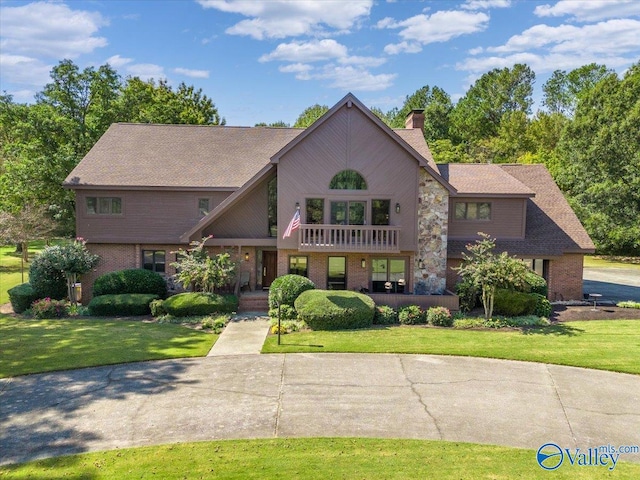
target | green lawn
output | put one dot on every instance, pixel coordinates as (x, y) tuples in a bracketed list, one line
[(31, 346), (320, 458), (10, 267), (590, 261), (602, 344)]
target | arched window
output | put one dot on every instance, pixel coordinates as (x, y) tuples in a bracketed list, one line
[(348, 180)]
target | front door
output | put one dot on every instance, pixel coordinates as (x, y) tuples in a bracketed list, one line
[(269, 267)]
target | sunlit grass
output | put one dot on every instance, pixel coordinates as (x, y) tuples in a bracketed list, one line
[(590, 261)]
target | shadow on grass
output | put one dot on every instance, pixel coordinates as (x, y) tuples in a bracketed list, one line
[(558, 329)]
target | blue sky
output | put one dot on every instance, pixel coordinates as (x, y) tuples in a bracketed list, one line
[(263, 61)]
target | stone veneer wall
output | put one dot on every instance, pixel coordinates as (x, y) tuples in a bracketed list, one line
[(430, 268)]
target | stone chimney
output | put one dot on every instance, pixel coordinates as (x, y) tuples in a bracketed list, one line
[(415, 119)]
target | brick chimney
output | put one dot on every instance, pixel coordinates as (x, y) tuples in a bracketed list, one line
[(415, 119)]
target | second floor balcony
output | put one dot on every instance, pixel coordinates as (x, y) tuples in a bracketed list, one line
[(349, 238)]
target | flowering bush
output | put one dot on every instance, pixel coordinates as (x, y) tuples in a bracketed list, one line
[(439, 317), (48, 308), (411, 315)]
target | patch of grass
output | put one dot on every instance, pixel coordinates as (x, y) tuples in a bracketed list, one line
[(612, 262), (311, 458), (600, 344), (32, 346)]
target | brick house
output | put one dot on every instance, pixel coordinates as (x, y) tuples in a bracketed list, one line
[(376, 212)]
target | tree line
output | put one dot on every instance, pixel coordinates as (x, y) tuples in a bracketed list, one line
[(587, 133)]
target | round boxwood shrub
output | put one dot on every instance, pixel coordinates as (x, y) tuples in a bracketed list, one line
[(412, 315), (135, 280), (287, 312), (21, 297), (47, 280), (385, 315), (122, 304), (543, 306), (513, 304), (290, 286), (200, 303), (439, 317), (335, 309)]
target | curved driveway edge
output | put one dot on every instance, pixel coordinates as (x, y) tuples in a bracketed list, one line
[(510, 403)]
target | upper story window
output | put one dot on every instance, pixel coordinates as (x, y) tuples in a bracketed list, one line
[(348, 180), (272, 206), (315, 211), (380, 212), (203, 206), (473, 211), (104, 206)]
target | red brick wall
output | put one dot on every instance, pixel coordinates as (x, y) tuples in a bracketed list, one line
[(565, 277)]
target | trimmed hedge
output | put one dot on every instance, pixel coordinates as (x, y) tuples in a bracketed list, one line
[(291, 287), (335, 309), (513, 304), (134, 280), (123, 304), (45, 279), (200, 303), (21, 297)]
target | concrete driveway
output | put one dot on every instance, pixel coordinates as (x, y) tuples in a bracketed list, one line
[(615, 284), (500, 402)]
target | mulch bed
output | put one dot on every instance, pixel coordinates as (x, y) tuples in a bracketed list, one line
[(563, 313)]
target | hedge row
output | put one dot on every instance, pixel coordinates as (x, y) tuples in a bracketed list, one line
[(121, 304)]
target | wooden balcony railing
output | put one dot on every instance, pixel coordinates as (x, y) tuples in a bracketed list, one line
[(349, 238)]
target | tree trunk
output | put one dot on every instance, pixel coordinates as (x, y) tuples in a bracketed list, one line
[(25, 251)]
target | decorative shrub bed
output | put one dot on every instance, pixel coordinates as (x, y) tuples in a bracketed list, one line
[(199, 303), (513, 304), (123, 304), (48, 308), (335, 310), (21, 297), (135, 280), (439, 317), (385, 315), (412, 315)]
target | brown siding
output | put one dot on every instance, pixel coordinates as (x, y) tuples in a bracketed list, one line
[(147, 216), (507, 219), (349, 140)]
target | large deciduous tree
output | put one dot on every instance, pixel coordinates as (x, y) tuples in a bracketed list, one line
[(310, 115)]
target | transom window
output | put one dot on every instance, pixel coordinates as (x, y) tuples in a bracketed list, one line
[(154, 260), (348, 180), (473, 211), (104, 206)]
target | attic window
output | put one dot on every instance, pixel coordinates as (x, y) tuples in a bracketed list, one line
[(348, 180), (473, 211), (104, 206)]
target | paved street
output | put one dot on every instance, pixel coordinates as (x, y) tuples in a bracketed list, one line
[(615, 284)]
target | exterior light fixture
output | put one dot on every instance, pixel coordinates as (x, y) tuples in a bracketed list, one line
[(246, 256), (387, 286), (421, 264), (363, 262), (397, 208)]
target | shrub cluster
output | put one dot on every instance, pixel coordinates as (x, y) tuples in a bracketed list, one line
[(469, 295), (412, 315), (199, 303), (287, 312), (21, 297), (290, 287), (48, 308), (121, 304), (439, 317), (513, 304), (629, 304), (135, 280), (335, 310), (46, 279), (385, 315), (543, 306), (536, 284)]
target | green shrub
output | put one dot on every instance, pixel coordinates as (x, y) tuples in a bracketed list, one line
[(216, 323), (629, 304), (45, 278), (48, 308), (513, 304), (123, 304), (536, 284), (439, 317), (501, 322), (287, 312), (385, 315), (542, 307), (135, 280), (469, 295), (200, 303), (412, 315), (290, 286), (21, 297), (335, 310), (157, 308), (288, 326)]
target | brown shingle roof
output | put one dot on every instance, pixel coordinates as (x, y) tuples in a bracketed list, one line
[(415, 138), (552, 227), (482, 179), (179, 156)]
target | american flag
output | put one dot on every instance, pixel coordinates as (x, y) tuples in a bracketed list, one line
[(293, 224)]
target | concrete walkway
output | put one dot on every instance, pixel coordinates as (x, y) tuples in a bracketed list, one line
[(243, 335), (500, 402)]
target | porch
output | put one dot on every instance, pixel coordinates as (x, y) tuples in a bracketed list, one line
[(349, 238)]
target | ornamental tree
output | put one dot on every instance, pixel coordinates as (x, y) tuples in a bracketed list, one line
[(72, 259), (489, 271), (195, 267)]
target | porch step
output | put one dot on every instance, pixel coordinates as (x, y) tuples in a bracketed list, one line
[(257, 302)]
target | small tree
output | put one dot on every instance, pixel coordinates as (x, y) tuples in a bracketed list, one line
[(72, 259), (488, 271), (206, 273)]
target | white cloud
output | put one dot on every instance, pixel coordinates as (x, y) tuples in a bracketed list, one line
[(356, 60), (353, 79), (283, 18), (295, 68), (313, 51), (191, 73), (589, 10), (485, 4), (146, 71), (49, 29), (440, 26), (20, 69), (116, 61)]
